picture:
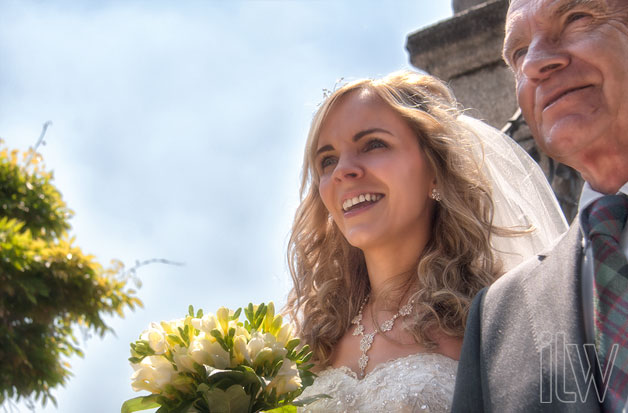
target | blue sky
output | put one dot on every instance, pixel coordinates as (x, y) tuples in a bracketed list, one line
[(178, 132)]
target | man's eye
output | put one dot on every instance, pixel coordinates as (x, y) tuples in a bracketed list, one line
[(518, 54), (576, 16)]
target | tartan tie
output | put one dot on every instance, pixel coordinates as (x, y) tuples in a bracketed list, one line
[(604, 223)]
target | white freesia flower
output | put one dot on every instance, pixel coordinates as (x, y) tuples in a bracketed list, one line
[(183, 359), (153, 373), (205, 324), (276, 347), (264, 347), (240, 350), (287, 379), (156, 337), (241, 331), (204, 351), (222, 315), (256, 344), (285, 334), (172, 327)]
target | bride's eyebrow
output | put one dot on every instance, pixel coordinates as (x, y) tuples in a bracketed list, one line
[(325, 148), (355, 138), (363, 133)]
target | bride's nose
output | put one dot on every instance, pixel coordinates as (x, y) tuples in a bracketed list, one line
[(348, 167)]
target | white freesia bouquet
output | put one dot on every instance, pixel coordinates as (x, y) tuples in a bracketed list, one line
[(215, 363)]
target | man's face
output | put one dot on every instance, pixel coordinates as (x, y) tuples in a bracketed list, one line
[(570, 59)]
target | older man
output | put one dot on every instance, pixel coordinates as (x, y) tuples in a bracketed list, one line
[(552, 335)]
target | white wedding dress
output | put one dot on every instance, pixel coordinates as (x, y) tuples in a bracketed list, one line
[(422, 382)]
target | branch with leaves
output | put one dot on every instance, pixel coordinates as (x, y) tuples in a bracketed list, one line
[(48, 285)]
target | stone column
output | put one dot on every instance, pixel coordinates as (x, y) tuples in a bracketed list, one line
[(465, 52)]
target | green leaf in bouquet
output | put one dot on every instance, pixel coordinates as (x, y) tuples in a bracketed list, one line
[(140, 403), (306, 366), (248, 312), (202, 370), (283, 409), (276, 366), (273, 398), (242, 375), (307, 377), (218, 336), (232, 400), (185, 407), (142, 348), (176, 339), (199, 313), (236, 315), (261, 310), (292, 344), (258, 318), (307, 357), (185, 334), (301, 354), (191, 310)]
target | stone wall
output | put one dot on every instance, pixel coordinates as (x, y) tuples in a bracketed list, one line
[(465, 51)]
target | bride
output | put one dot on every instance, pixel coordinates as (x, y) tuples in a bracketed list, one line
[(408, 209)]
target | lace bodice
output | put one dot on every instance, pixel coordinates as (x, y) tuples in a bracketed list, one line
[(420, 382)]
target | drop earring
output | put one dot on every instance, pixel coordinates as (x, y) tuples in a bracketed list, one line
[(435, 195)]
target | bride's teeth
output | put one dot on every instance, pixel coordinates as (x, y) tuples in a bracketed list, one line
[(358, 199)]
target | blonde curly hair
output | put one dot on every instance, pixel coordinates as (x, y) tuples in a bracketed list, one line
[(330, 276)]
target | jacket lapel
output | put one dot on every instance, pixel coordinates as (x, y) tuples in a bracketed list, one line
[(553, 290)]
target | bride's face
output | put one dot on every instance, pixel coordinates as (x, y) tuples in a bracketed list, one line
[(374, 178)]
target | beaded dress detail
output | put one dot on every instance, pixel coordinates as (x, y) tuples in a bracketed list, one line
[(422, 382)]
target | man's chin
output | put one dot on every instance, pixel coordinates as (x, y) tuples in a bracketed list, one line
[(563, 141)]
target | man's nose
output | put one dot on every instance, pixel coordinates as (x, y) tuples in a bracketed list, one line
[(543, 58)]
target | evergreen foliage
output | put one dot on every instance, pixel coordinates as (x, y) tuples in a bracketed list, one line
[(48, 286)]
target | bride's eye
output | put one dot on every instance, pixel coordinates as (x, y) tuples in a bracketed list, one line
[(374, 144), (326, 162)]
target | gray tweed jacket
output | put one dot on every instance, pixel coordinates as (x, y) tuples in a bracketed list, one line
[(524, 336)]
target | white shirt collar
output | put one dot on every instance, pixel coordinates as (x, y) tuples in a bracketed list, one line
[(589, 195)]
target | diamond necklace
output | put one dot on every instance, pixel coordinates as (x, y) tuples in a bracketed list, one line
[(367, 339)]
